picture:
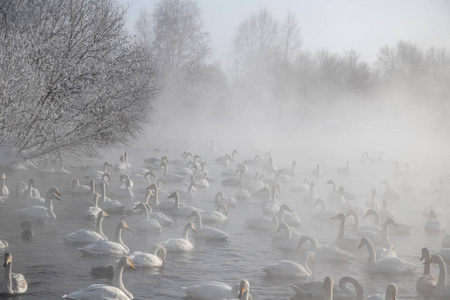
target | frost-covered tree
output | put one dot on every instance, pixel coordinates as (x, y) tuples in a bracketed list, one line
[(71, 80)]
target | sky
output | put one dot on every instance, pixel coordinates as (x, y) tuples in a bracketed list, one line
[(334, 25)]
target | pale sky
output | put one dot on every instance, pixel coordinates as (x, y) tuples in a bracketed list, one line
[(363, 25)]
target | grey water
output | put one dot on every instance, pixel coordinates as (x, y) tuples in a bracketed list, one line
[(54, 268)]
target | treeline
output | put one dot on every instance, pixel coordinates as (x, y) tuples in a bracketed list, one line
[(73, 80)]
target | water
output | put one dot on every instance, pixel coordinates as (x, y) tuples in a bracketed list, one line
[(54, 268)]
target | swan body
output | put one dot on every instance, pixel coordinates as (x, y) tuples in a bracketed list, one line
[(4, 191), (117, 291), (180, 244), (109, 248), (91, 213), (212, 290), (213, 216), (148, 224), (147, 260), (220, 198), (181, 211), (99, 173), (442, 288), (263, 223), (288, 243), (426, 283), (80, 189), (433, 225), (388, 265), (326, 252), (207, 233), (40, 212), (390, 294), (323, 214), (87, 235), (317, 289), (170, 176), (13, 283), (290, 269)]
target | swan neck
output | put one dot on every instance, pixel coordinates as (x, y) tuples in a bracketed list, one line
[(50, 208), (386, 238), (308, 259), (341, 230), (427, 266), (98, 226), (199, 221), (147, 214), (356, 225), (442, 280), (119, 237), (329, 293), (185, 234), (372, 255), (287, 230), (313, 242), (118, 283), (6, 287)]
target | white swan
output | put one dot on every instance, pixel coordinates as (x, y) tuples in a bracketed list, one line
[(189, 193), (4, 191), (99, 173), (104, 291), (319, 290), (85, 236), (285, 214), (207, 233), (388, 193), (3, 245), (41, 201), (373, 203), (263, 223), (326, 252), (388, 265), (13, 283), (323, 214), (344, 170), (426, 283), (40, 212), (345, 241), (124, 191), (212, 290), (221, 198), (390, 294), (433, 225), (148, 224), (244, 290), (159, 216), (317, 172), (288, 243), (80, 189), (148, 260), (180, 211), (170, 176), (214, 216), (91, 213), (110, 248), (31, 191), (109, 205), (242, 194), (271, 206), (180, 244), (290, 269), (442, 288)]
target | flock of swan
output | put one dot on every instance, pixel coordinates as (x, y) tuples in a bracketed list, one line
[(176, 197)]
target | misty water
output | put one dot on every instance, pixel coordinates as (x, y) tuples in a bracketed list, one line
[(54, 268)]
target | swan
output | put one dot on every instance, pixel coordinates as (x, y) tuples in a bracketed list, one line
[(373, 203), (40, 212), (317, 172), (147, 260), (178, 210), (433, 225), (41, 201), (233, 181), (86, 236), (111, 206), (124, 191), (390, 294), (148, 224), (105, 247), (326, 252), (442, 289), (400, 228), (344, 170), (242, 194), (272, 207), (387, 265), (244, 290), (4, 191), (13, 283), (31, 191), (288, 243), (91, 212), (301, 186), (3, 245), (323, 214), (203, 183), (263, 223), (219, 215), (335, 192), (180, 244), (99, 173), (311, 198), (318, 290), (80, 189), (345, 241), (104, 291), (170, 176), (290, 269), (125, 160), (212, 290), (189, 193), (285, 214), (120, 166), (207, 233), (428, 281), (289, 171), (220, 198), (388, 193)]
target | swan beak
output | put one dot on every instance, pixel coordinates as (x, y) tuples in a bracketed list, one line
[(336, 217), (241, 292), (171, 196), (126, 227), (2, 177), (106, 215), (132, 266), (152, 174), (152, 194), (360, 245), (108, 163), (8, 259), (56, 197)]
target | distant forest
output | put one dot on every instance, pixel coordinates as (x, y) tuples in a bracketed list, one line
[(73, 80)]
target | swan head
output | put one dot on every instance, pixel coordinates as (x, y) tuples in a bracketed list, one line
[(7, 259), (364, 241), (123, 224), (390, 221), (339, 216), (55, 190), (328, 282), (191, 226), (54, 196), (107, 163), (285, 207), (391, 291), (318, 202), (330, 182), (351, 212), (2, 177), (127, 262), (243, 287), (194, 214), (160, 251), (369, 212), (425, 254), (103, 214), (432, 214), (174, 195)]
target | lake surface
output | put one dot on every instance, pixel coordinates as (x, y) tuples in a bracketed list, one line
[(54, 268)]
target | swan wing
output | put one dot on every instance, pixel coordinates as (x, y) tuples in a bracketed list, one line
[(98, 291)]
